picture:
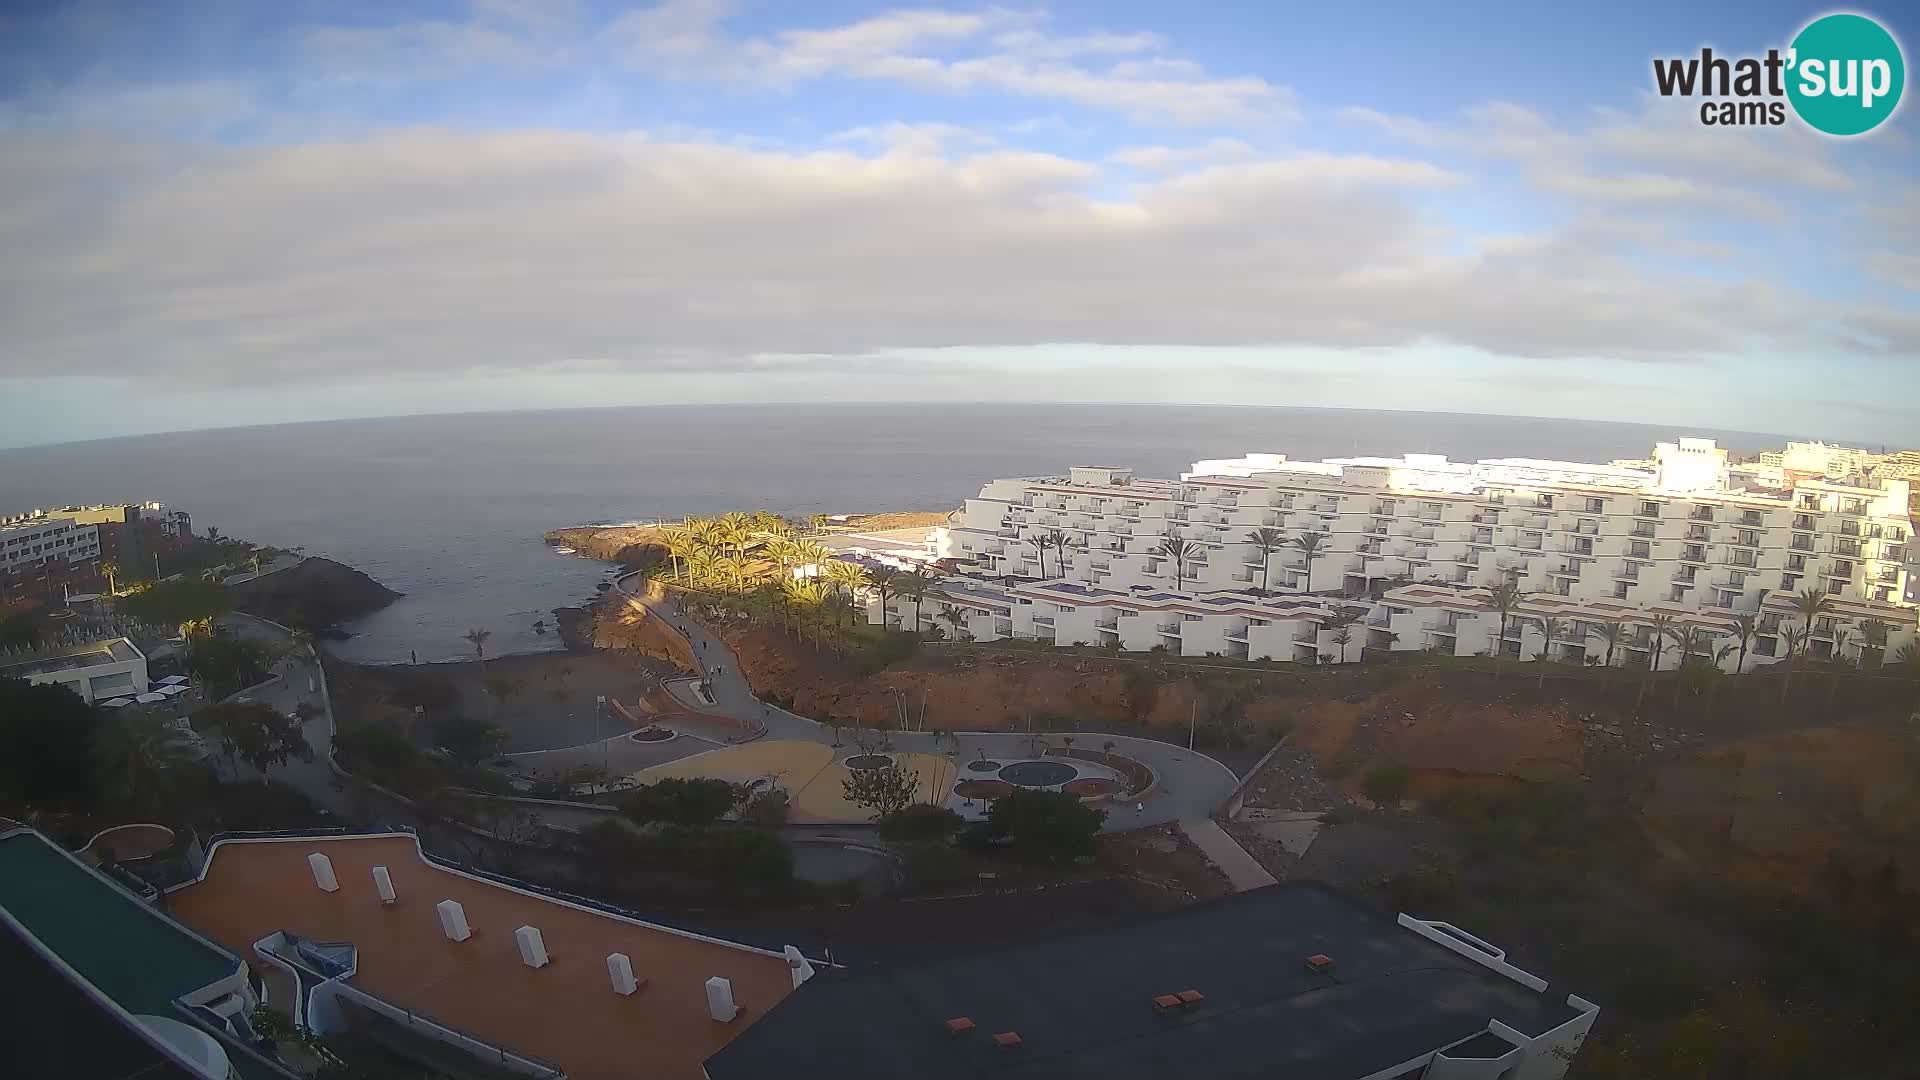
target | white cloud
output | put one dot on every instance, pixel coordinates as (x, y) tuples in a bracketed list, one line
[(954, 53), (430, 252), (1162, 159)]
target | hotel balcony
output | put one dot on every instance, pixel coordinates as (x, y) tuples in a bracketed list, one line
[(1803, 522), (1171, 629), (1701, 513), (1800, 543), (1043, 620), (1698, 534)]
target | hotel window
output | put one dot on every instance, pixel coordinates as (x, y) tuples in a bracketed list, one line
[(1789, 582), (1640, 549), (1596, 506)]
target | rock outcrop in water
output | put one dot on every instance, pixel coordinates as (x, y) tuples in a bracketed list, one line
[(312, 596)]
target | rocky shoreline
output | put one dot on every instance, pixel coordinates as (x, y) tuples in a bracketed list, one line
[(316, 596)]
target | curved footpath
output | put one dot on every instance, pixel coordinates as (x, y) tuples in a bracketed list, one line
[(1190, 786)]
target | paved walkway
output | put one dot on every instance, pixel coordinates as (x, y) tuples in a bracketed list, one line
[(1190, 784), (1226, 853), (300, 682)]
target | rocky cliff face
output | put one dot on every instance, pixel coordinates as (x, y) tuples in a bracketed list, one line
[(635, 547), (314, 595)]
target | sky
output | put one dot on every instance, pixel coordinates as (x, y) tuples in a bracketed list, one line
[(222, 212)]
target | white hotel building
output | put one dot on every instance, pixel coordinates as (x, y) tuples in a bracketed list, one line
[(1411, 545)]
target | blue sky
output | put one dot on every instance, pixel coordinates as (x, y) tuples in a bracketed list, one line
[(226, 212)]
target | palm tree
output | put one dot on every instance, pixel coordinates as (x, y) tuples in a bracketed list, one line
[(914, 586), (1613, 632), (1689, 640), (1794, 636), (884, 580), (1840, 643), (1660, 624), (478, 638), (1746, 625), (1550, 628), (1309, 545), (1810, 604), (955, 617), (1268, 540), (703, 566), (811, 553), (142, 760), (681, 543), (1504, 598), (849, 577), (1179, 551), (783, 551), (112, 570), (1039, 543), (1873, 638), (1342, 636), (1907, 660), (213, 533), (1060, 540)]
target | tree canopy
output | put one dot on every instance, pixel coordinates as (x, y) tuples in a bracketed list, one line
[(885, 791), (1046, 826), (468, 741), (176, 601), (46, 739), (697, 801), (259, 735)]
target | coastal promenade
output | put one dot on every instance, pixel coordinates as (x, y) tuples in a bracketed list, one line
[(1190, 784)]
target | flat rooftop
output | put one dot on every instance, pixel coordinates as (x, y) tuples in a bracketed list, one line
[(66, 658), (130, 953), (1083, 1004), (134, 954), (565, 1012)]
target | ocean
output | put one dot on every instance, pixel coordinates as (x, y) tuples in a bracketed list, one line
[(450, 509)]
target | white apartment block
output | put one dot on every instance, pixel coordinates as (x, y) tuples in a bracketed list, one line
[(1409, 548), (34, 539)]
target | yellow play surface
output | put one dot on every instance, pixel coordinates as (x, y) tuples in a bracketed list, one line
[(809, 771)]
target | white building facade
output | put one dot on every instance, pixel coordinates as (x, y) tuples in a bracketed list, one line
[(31, 540), (1409, 548)]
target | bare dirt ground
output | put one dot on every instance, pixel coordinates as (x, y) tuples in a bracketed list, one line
[(549, 700)]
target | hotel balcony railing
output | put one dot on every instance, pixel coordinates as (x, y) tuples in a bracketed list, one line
[(1840, 570), (1803, 522), (1684, 576), (1729, 581), (1627, 573), (1800, 543), (1642, 529), (1702, 513), (1169, 629), (1043, 620), (1647, 511), (1696, 533), (1752, 518), (1693, 554)]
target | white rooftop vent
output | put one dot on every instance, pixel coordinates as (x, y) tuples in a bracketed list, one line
[(383, 884), (453, 920), (533, 948), (720, 1004), (620, 973), (322, 868), (799, 966)]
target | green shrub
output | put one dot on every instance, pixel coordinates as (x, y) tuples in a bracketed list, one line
[(1046, 826), (919, 823), (679, 801)]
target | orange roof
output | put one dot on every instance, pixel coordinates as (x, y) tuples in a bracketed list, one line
[(565, 1012)]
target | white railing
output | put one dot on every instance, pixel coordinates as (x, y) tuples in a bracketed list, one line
[(440, 1032)]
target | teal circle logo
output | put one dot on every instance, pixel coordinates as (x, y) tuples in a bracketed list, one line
[(1845, 74)]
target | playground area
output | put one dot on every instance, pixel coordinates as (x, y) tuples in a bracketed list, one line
[(811, 773)]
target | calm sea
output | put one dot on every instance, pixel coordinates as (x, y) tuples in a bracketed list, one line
[(449, 509)]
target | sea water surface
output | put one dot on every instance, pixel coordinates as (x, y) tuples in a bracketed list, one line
[(450, 509)]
